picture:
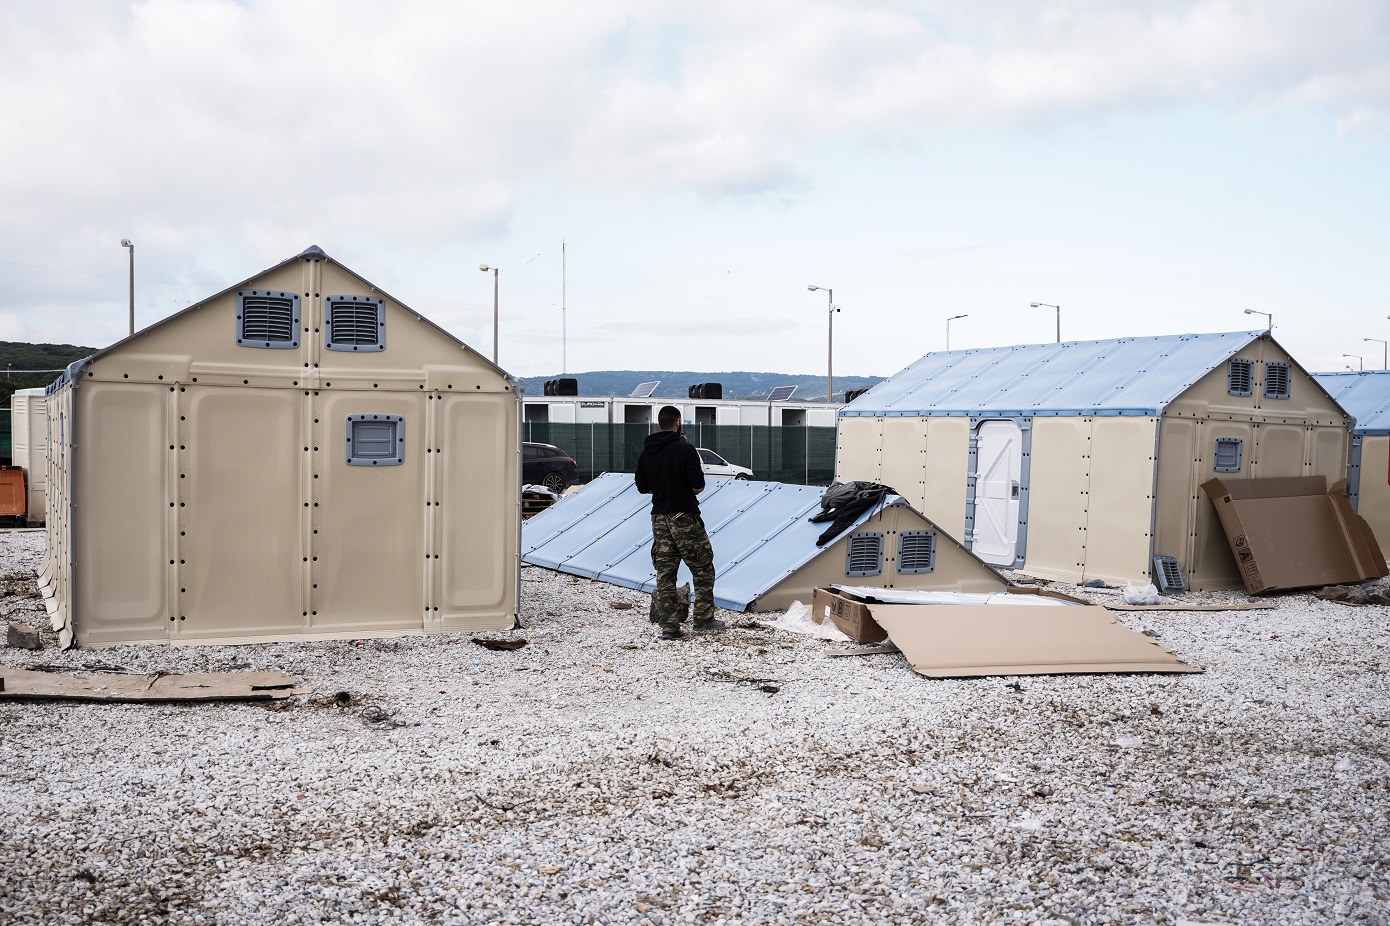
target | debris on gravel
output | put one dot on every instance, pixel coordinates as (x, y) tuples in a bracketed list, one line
[(599, 776)]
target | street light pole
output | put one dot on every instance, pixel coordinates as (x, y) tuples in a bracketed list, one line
[(1269, 317), (829, 340), (126, 243), (1360, 361), (948, 328), (1049, 305), (485, 268), (1384, 352)]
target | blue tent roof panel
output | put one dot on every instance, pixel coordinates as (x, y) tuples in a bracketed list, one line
[(1125, 376), (614, 543), (1365, 395)]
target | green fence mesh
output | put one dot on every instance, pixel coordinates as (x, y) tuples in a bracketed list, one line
[(801, 456)]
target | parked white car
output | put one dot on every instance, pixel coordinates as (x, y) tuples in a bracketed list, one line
[(715, 465)]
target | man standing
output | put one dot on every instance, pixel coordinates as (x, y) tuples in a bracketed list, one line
[(668, 469)]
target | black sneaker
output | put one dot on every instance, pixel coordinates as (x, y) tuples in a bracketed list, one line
[(710, 626), (673, 633)]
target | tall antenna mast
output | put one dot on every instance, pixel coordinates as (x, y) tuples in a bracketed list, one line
[(564, 332)]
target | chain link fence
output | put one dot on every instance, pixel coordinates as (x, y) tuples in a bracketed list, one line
[(797, 455)]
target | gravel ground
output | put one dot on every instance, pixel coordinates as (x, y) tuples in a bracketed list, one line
[(598, 775)]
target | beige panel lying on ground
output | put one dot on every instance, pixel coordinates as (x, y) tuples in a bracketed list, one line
[(957, 642), (103, 686)]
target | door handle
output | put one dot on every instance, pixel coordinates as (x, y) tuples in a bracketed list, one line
[(1014, 489)]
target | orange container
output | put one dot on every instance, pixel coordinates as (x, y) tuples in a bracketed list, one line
[(12, 494)]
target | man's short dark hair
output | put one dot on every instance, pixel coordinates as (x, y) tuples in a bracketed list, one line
[(668, 417)]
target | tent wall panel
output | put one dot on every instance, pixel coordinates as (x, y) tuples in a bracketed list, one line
[(1178, 490), (1373, 502), (859, 452), (1210, 454), (1327, 453), (1280, 450), (903, 456), (1120, 498), (1212, 565), (929, 456), (946, 469), (368, 546), (241, 512), (1058, 490), (122, 552), (475, 589), (55, 579)]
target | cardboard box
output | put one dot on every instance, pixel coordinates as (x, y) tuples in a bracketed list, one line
[(852, 617), (1294, 532), (855, 620)]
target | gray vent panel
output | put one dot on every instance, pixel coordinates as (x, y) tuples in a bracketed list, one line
[(375, 440), (864, 554), (354, 323), (1168, 576), (1240, 377), (1226, 455), (1276, 380), (267, 319), (916, 552)]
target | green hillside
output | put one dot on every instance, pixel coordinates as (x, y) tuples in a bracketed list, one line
[(27, 366)]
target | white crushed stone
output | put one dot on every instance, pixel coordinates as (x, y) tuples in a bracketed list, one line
[(601, 776)]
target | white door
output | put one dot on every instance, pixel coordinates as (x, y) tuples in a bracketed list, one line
[(999, 464)]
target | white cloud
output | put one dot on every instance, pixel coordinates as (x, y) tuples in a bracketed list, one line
[(224, 136)]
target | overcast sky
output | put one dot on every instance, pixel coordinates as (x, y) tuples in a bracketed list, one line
[(1151, 167)]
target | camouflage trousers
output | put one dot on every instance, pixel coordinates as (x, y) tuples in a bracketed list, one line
[(677, 537)]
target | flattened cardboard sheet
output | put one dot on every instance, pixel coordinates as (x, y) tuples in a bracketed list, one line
[(100, 686), (848, 607), (1294, 532), (959, 642)]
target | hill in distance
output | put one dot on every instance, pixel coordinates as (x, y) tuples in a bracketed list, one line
[(30, 366), (675, 384)]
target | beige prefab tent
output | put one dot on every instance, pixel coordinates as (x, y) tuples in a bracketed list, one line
[(1366, 396), (1085, 460), (298, 457), (29, 433)]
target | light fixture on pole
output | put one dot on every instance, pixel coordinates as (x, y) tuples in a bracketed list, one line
[(1269, 316), (1384, 352), (1360, 361), (1048, 305), (126, 243), (485, 268), (948, 328), (829, 340)]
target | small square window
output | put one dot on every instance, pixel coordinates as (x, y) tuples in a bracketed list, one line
[(1240, 376), (916, 552), (864, 554), (1276, 380), (375, 440), (354, 323), (267, 319), (1225, 456)]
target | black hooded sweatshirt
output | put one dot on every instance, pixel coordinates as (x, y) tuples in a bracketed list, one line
[(668, 469)]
